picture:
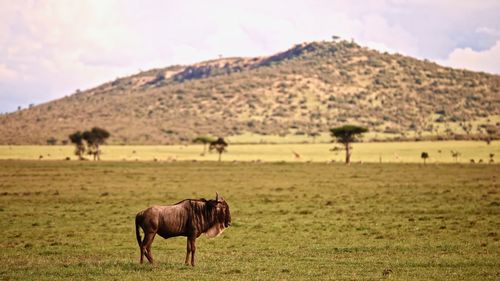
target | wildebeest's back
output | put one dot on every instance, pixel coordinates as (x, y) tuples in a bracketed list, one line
[(168, 221), (174, 220)]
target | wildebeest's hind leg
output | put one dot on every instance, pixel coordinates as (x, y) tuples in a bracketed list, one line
[(138, 222), (188, 251), (142, 253), (146, 245)]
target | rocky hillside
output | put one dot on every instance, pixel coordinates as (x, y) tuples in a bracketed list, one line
[(305, 90)]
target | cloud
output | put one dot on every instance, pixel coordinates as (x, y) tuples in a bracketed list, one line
[(7, 74), (50, 48), (380, 34), (487, 60), (488, 31)]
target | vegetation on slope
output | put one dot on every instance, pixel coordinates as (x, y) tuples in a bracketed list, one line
[(306, 90)]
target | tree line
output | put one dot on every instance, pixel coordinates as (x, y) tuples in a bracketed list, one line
[(345, 135), (89, 142)]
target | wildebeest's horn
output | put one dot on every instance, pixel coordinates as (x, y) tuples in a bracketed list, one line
[(216, 196)]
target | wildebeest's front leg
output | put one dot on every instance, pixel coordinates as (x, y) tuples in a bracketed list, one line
[(193, 249), (188, 250)]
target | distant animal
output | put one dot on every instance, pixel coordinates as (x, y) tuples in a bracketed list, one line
[(189, 218), (297, 156), (396, 156), (386, 272)]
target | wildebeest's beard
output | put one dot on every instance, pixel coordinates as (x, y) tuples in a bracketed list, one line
[(218, 218), (226, 215)]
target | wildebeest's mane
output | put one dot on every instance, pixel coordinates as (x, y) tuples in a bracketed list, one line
[(205, 213), (195, 200)]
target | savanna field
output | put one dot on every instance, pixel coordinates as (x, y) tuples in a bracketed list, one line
[(74, 220), (349, 140), (366, 152)]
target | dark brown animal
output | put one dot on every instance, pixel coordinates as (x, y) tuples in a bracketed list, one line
[(190, 218)]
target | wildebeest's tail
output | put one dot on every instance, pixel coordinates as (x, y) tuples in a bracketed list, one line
[(138, 221)]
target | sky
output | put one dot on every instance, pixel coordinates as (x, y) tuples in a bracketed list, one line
[(51, 48)]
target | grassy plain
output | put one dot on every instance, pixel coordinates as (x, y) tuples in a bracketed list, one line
[(392, 152), (74, 220)]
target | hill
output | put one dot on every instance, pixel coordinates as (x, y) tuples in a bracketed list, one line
[(304, 90)]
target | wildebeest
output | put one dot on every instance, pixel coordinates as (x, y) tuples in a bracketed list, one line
[(189, 217)]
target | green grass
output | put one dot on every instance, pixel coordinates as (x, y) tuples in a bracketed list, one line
[(291, 221), (392, 152)]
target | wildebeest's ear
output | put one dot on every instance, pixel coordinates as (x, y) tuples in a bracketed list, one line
[(216, 196)]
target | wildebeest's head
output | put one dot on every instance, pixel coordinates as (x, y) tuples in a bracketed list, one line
[(222, 210), (221, 215)]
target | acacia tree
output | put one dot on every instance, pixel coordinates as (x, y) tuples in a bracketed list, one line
[(491, 132), (313, 135), (424, 156), (204, 140), (94, 138), (346, 135), (51, 141), (219, 145), (77, 139)]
